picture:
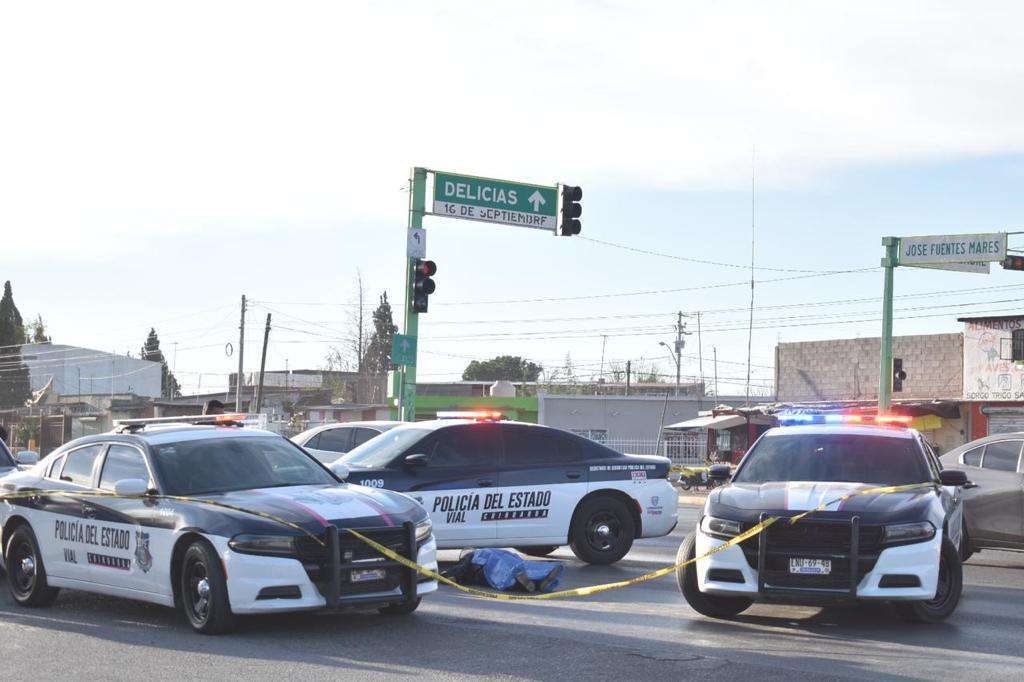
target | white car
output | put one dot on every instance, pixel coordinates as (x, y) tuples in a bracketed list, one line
[(328, 442), (901, 547), (262, 528), (492, 483)]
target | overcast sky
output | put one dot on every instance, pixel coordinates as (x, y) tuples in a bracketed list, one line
[(159, 160)]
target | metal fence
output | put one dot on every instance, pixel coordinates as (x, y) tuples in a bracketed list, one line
[(690, 450)]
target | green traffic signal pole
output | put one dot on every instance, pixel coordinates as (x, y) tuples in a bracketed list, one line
[(889, 263), (417, 207)]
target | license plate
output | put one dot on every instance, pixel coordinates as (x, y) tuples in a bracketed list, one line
[(368, 575), (810, 566)]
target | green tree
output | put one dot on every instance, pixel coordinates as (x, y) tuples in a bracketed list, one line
[(14, 380), (506, 367), (377, 359), (35, 331), (169, 387)]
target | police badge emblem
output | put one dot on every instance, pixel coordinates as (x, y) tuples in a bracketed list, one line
[(143, 559)]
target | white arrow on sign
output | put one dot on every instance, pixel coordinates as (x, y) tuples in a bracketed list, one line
[(537, 200)]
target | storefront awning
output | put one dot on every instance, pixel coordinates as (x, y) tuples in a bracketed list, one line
[(724, 421)]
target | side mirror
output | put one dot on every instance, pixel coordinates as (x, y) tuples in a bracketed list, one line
[(340, 469), (415, 461), (27, 457), (953, 477), (131, 487), (720, 472)]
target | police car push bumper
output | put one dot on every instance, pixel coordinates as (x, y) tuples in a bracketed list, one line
[(251, 578), (920, 560)]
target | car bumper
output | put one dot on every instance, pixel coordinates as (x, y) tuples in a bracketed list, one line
[(659, 509), (248, 575), (919, 559)]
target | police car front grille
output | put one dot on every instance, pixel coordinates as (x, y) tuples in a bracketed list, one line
[(352, 548), (355, 555)]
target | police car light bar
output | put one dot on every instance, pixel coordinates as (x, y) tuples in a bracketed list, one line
[(196, 420), (794, 418), (477, 415)]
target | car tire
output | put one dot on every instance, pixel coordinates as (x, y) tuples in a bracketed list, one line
[(602, 531), (26, 575), (540, 550), (400, 609), (204, 590), (947, 595), (704, 604), (966, 551)]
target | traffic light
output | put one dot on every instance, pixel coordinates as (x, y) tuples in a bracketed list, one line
[(898, 375), (1013, 263), (571, 210), (422, 285)]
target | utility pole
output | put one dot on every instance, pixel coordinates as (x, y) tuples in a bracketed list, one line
[(892, 245), (629, 369), (604, 342), (241, 356), (263, 365), (407, 383), (700, 364), (714, 350)]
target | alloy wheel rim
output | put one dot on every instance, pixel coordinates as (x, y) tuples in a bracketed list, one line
[(24, 568), (198, 591)]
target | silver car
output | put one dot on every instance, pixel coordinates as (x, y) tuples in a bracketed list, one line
[(994, 499), (328, 442)]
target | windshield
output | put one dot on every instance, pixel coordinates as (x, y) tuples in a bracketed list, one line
[(6, 458), (380, 451), (218, 465), (834, 458)]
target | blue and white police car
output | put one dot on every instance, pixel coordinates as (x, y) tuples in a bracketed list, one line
[(901, 547), (213, 518), (491, 483)]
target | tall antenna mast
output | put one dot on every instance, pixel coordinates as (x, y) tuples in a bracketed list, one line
[(750, 325)]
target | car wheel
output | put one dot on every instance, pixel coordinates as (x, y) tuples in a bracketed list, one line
[(947, 592), (966, 552), (400, 609), (540, 550), (685, 485), (204, 590), (704, 604), (26, 575), (602, 531)]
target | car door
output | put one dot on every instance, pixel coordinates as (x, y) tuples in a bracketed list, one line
[(458, 481), (952, 497), (330, 444), (997, 505), (540, 480), (128, 527), (68, 533)]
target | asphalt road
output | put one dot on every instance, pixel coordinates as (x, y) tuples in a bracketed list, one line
[(641, 632)]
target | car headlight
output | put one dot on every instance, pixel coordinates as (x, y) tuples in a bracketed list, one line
[(909, 532), (720, 528), (423, 530), (275, 545)]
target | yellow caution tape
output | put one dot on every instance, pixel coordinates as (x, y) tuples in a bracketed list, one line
[(502, 596), (595, 589)]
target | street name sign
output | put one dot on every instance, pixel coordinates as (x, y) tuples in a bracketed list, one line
[(403, 350), (417, 243), (953, 249), (495, 201)]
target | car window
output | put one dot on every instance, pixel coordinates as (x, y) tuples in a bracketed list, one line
[(362, 434), (1002, 455), (525, 446), (973, 456), (834, 458), (53, 471), (465, 445), (122, 462), (215, 465), (313, 442), (6, 458), (933, 461), (78, 465), (336, 440), (382, 452)]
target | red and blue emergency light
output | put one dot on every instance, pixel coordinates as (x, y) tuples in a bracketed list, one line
[(794, 418)]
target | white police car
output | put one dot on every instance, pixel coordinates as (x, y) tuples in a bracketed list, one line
[(492, 483), (901, 547), (262, 528)]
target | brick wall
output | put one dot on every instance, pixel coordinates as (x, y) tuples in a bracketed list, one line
[(847, 369)]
